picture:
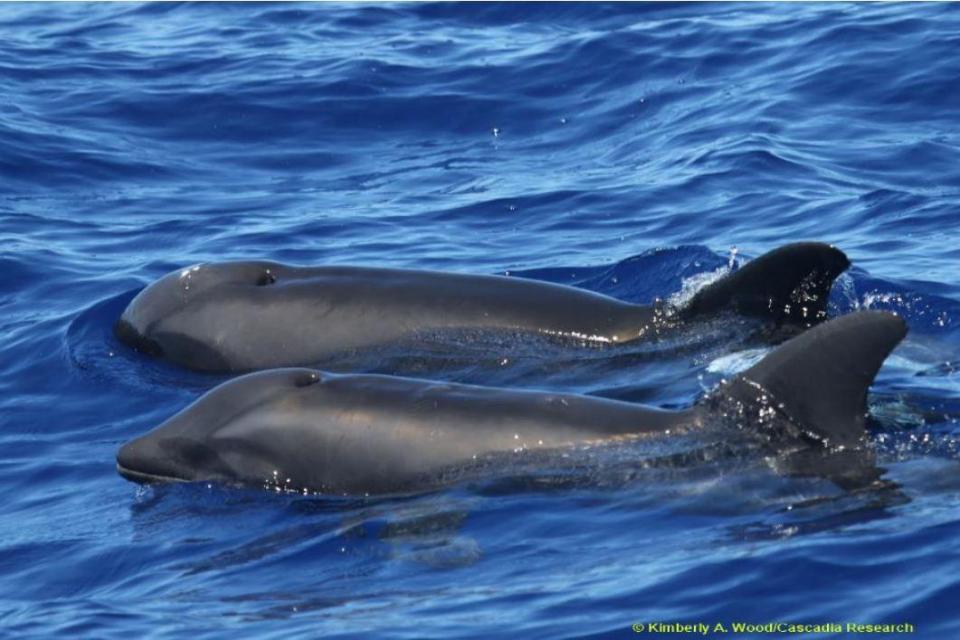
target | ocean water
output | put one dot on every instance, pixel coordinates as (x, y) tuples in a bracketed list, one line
[(636, 150)]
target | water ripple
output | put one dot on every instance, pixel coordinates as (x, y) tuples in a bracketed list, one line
[(631, 149)]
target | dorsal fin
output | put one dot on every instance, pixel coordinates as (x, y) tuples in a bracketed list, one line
[(819, 379), (789, 283)]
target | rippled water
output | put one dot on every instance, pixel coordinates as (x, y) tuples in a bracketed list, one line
[(622, 148)]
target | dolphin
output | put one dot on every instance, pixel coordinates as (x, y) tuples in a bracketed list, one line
[(317, 432), (244, 316)]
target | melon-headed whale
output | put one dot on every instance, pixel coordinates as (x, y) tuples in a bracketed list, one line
[(243, 316), (374, 434)]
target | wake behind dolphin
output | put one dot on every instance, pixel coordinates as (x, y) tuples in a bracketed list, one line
[(372, 434), (244, 316)]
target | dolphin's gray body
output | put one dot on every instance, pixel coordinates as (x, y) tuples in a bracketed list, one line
[(313, 431), (244, 316)]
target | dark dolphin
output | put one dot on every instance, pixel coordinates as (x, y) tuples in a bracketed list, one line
[(243, 316), (313, 431)]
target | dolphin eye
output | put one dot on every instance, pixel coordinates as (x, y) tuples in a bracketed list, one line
[(266, 278)]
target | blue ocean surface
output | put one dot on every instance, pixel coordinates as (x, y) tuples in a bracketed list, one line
[(633, 149)]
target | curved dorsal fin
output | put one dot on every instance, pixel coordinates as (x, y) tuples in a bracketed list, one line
[(789, 283), (819, 379)]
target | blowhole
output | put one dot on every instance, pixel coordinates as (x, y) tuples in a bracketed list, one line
[(307, 379)]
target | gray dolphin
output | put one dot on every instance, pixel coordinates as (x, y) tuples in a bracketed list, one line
[(242, 316), (354, 434)]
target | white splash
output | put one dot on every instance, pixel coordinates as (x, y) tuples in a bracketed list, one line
[(690, 286), (734, 363), (189, 271)]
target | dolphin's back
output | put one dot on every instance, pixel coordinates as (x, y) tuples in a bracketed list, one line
[(372, 433), (302, 315)]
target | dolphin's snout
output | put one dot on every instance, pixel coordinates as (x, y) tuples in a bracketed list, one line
[(129, 461), (141, 461), (129, 335)]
